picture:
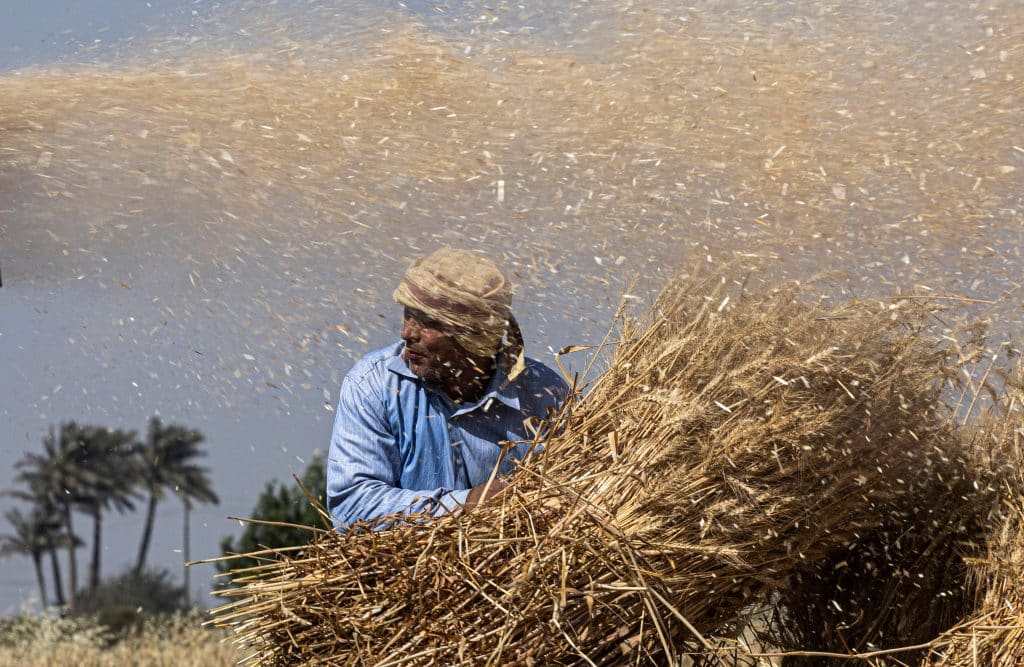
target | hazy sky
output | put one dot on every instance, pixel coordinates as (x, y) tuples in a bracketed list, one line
[(220, 250), (177, 333), (46, 31)]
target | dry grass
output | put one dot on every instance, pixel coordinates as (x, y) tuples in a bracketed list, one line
[(915, 578), (733, 441), (994, 633), (178, 641), (947, 596)]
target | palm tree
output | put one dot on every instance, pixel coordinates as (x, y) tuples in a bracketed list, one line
[(47, 531), (39, 533), (59, 539), (54, 480), (194, 486), (167, 465), (82, 467), (106, 464), (30, 539)]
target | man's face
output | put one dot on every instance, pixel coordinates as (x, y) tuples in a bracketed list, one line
[(430, 351)]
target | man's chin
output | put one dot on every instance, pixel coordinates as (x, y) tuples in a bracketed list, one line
[(420, 370)]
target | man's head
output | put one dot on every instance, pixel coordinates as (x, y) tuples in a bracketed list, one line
[(434, 354), (457, 312)]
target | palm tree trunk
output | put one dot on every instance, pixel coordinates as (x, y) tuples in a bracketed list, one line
[(72, 560), (147, 532), (58, 583), (37, 561), (186, 549), (97, 528)]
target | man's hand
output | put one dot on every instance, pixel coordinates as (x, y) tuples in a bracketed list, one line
[(483, 493)]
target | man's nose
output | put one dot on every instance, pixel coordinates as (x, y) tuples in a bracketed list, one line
[(410, 330)]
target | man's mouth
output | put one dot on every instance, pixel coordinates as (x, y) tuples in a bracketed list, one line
[(413, 356)]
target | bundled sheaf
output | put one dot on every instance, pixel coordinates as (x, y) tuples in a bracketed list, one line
[(942, 592), (733, 441), (896, 589), (993, 634)]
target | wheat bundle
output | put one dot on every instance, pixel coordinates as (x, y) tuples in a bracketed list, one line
[(731, 441), (899, 586), (896, 588), (993, 635), (943, 586)]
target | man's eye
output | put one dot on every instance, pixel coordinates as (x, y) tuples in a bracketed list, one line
[(425, 321)]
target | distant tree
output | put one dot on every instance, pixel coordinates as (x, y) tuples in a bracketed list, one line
[(105, 461), (95, 469), (30, 539), (280, 503), (151, 591), (167, 465), (87, 468), (191, 482), (59, 538), (54, 479), (43, 530)]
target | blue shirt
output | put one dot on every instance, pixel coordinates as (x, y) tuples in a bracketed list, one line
[(400, 445)]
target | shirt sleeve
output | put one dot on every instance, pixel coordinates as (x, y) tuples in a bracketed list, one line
[(364, 465)]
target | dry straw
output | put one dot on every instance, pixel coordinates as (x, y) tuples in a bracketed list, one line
[(994, 633), (733, 442), (896, 589)]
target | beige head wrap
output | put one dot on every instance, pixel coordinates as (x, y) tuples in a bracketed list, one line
[(469, 294)]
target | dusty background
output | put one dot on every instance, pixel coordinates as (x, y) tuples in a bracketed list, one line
[(203, 213)]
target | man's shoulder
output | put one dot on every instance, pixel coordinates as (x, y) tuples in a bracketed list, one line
[(539, 377), (539, 371)]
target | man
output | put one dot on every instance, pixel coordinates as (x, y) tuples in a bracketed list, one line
[(421, 423)]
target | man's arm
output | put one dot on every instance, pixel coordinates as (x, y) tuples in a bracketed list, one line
[(364, 465)]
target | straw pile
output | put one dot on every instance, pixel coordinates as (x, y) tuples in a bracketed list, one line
[(994, 633), (895, 589), (900, 586), (731, 443), (943, 593)]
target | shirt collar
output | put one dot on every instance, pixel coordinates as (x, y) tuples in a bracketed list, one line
[(397, 365), (499, 388)]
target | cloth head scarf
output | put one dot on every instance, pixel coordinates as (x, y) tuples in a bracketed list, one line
[(469, 294)]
